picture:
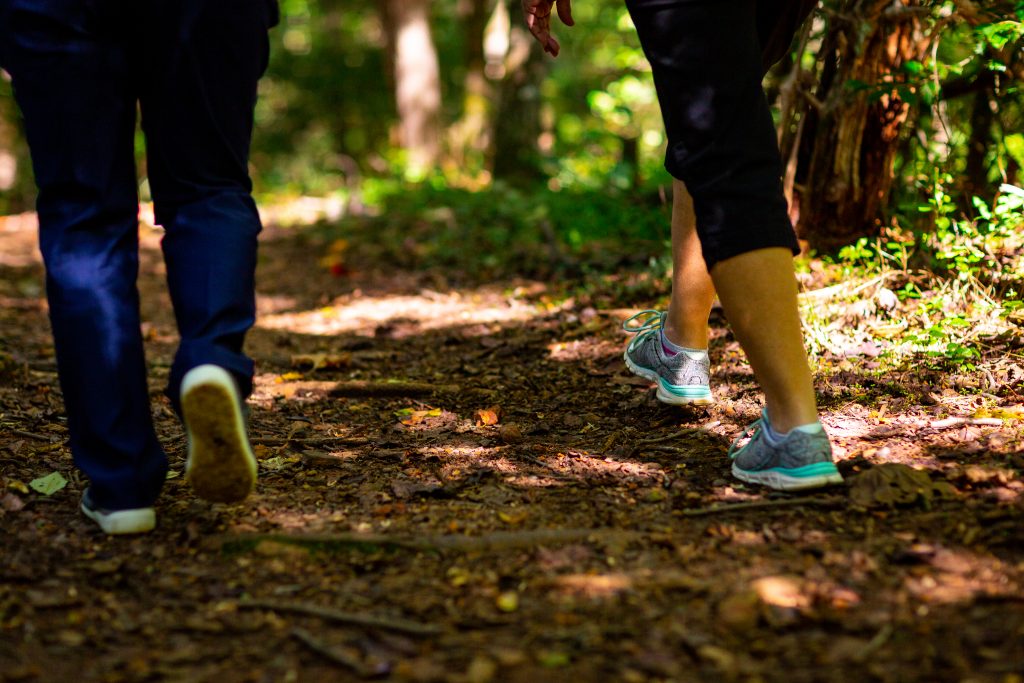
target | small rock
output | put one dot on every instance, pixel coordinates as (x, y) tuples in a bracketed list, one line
[(510, 433), (11, 503)]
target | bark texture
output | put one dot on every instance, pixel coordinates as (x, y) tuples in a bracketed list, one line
[(852, 124)]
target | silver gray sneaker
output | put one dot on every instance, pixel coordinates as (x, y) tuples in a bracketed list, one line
[(800, 461), (681, 380)]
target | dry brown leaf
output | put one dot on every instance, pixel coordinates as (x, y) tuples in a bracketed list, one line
[(488, 416)]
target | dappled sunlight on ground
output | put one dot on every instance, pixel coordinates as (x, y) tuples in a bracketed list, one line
[(555, 516), (429, 310)]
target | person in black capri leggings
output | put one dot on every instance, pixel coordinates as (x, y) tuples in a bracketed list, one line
[(731, 233)]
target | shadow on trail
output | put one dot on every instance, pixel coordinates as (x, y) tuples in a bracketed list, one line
[(533, 427)]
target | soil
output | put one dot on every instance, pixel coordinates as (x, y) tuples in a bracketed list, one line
[(459, 481)]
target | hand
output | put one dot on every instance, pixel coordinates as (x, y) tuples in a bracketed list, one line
[(538, 20)]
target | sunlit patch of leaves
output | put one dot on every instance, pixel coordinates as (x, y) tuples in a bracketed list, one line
[(948, 298)]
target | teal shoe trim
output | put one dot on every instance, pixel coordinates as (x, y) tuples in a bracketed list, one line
[(814, 470), (691, 391)]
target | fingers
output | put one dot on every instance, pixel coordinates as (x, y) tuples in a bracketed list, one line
[(538, 20), (565, 12)]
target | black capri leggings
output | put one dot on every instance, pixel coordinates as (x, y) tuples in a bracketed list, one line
[(708, 59)]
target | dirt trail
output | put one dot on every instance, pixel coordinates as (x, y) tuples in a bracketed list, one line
[(537, 517)]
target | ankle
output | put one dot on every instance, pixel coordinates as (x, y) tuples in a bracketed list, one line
[(784, 422), (687, 337)]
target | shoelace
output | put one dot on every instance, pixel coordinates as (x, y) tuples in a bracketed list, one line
[(655, 321), (750, 431)]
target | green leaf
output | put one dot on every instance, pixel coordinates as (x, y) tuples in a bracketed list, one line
[(49, 484), (913, 67)]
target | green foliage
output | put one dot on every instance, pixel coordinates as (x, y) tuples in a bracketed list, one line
[(504, 231)]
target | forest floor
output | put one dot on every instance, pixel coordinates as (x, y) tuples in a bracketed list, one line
[(459, 481)]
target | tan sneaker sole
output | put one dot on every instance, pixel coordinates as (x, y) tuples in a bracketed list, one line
[(221, 467)]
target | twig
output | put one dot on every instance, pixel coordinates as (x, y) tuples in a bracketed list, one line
[(957, 421), (499, 540), (758, 504), (364, 388), (874, 644), (322, 458), (413, 628), (546, 465), (319, 441), (662, 439), (331, 653), (30, 435), (673, 449)]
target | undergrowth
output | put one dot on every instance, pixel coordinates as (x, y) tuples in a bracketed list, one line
[(947, 298)]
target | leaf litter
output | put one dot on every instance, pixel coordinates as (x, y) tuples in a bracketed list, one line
[(509, 490)]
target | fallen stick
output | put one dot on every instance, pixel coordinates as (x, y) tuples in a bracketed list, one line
[(365, 388), (874, 644), (30, 435), (323, 459), (413, 628), (331, 653), (758, 504), (319, 441), (499, 540), (975, 421)]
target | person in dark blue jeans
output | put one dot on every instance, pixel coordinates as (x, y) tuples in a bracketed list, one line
[(81, 69), (731, 232)]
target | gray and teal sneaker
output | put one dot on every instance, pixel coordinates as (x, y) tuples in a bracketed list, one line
[(801, 460), (680, 378)]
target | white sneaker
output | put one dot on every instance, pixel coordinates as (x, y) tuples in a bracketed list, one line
[(132, 521), (221, 466)]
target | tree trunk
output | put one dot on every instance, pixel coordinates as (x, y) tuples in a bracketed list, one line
[(417, 80), (469, 137), (851, 129), (517, 120), (982, 119)]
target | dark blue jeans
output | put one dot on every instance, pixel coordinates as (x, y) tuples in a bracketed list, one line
[(80, 70), (708, 58)]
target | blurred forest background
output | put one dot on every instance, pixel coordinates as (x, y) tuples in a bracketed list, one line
[(901, 123)]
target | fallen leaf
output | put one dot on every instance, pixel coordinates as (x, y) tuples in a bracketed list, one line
[(278, 463), (488, 416), (409, 416), (49, 484), (508, 601), (552, 659), (513, 518), (109, 566)]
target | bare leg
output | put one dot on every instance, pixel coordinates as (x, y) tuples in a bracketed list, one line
[(693, 293), (759, 293)]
